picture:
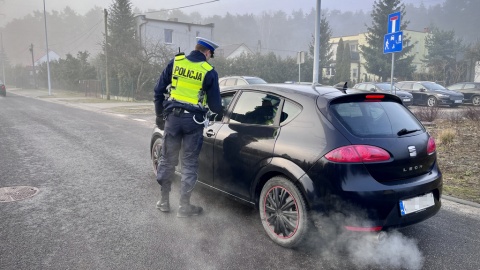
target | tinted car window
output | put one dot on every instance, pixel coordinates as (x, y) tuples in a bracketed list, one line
[(241, 82), (469, 86), (418, 86), (375, 119), (455, 87), (406, 86), (255, 108), (370, 87), (290, 110), (230, 82), (433, 86), (226, 100), (255, 81), (362, 86), (387, 87)]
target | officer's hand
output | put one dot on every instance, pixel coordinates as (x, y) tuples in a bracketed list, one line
[(160, 122)]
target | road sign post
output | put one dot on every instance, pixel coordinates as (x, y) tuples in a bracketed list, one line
[(393, 40)]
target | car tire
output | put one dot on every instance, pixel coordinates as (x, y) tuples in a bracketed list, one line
[(476, 101), (432, 101), (156, 153), (283, 212)]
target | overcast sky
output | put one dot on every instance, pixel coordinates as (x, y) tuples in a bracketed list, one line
[(18, 8)]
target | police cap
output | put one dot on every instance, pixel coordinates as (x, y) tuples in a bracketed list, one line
[(207, 43)]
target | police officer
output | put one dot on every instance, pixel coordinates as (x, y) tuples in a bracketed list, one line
[(187, 88)]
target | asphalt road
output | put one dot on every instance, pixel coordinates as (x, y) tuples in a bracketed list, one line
[(95, 209)]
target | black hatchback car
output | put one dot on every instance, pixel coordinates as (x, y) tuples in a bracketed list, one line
[(471, 91), (431, 94), (385, 87), (297, 151)]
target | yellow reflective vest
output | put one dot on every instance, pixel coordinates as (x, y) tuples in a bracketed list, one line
[(187, 80)]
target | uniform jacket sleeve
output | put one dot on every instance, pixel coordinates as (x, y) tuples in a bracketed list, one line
[(161, 88), (211, 87)]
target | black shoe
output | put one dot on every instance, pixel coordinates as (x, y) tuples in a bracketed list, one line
[(189, 210), (163, 206)]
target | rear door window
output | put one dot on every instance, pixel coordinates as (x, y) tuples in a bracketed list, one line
[(375, 119)]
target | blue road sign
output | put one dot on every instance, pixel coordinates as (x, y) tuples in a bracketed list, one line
[(394, 22), (393, 42)]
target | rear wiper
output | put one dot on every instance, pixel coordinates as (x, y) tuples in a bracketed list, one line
[(405, 131)]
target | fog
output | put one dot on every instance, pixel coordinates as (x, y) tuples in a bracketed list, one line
[(18, 8)]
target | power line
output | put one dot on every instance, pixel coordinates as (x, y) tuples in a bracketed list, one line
[(162, 10)]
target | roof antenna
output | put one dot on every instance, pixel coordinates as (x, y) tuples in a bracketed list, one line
[(345, 87)]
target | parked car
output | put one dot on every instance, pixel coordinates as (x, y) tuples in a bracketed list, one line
[(317, 152), (385, 87), (470, 91), (239, 80), (430, 93), (3, 89)]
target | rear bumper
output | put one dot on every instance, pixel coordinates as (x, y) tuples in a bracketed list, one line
[(364, 202)]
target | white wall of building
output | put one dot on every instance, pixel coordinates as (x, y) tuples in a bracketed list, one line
[(183, 35)]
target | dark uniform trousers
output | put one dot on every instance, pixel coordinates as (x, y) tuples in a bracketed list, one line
[(180, 129)]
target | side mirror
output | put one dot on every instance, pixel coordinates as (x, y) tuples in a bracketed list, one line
[(423, 89), (373, 90)]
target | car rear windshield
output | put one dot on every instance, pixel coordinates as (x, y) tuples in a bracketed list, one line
[(376, 119)]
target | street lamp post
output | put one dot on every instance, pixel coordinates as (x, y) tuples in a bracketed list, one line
[(48, 57), (316, 52)]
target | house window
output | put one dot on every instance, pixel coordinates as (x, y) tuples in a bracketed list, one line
[(353, 47), (354, 73), (330, 71), (168, 35)]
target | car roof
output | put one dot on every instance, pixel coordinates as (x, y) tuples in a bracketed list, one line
[(244, 77), (290, 90)]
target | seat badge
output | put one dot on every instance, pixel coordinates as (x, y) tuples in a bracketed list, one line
[(413, 151)]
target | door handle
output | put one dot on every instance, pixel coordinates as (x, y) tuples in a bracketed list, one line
[(210, 133)]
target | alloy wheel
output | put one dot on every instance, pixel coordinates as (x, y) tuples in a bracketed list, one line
[(281, 212)]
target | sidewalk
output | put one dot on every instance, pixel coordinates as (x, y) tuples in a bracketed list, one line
[(141, 111)]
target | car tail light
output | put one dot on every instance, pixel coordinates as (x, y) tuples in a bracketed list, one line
[(358, 153), (431, 146)]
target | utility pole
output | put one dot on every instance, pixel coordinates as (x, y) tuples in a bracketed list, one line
[(106, 55), (3, 60), (33, 66), (48, 57), (316, 51)]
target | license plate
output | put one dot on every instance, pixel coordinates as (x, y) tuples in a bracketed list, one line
[(458, 101), (416, 204), (406, 99)]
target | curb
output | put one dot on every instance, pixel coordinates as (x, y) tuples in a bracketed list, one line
[(453, 199)]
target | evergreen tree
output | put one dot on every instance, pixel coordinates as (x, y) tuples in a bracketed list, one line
[(339, 60), (442, 51), (123, 49), (346, 65), (377, 62)]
